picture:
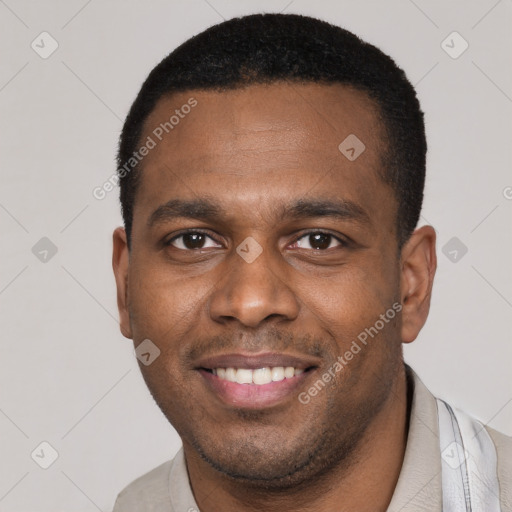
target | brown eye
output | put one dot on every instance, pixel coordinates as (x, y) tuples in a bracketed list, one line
[(192, 240), (318, 241)]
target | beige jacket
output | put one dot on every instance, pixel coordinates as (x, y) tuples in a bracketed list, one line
[(167, 488)]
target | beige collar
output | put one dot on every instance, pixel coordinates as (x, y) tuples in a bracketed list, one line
[(419, 486)]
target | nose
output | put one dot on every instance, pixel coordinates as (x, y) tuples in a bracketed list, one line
[(253, 292)]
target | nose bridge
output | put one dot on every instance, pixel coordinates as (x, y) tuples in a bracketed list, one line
[(252, 289)]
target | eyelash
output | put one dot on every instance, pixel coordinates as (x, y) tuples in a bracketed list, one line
[(342, 242), (190, 232)]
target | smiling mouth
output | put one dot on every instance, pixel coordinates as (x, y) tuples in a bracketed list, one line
[(258, 376), (256, 381)]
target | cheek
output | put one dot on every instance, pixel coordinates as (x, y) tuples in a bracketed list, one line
[(348, 307), (163, 306), (352, 299)]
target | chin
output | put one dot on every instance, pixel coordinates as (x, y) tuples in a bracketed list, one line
[(275, 462), (256, 470)]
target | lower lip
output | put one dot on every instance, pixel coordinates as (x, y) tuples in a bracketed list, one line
[(253, 396)]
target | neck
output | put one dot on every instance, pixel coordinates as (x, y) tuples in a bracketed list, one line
[(365, 483)]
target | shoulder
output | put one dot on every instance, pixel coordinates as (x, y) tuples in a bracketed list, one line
[(426, 407), (163, 489), (503, 444), (149, 492)]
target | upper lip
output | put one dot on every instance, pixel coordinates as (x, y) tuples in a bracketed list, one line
[(255, 361)]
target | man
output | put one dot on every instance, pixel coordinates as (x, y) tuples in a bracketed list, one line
[(269, 270)]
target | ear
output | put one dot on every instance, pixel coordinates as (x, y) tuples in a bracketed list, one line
[(120, 263), (418, 267)]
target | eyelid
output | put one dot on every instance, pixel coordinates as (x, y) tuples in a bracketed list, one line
[(344, 241), (188, 232)]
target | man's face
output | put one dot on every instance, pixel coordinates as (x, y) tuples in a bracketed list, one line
[(275, 250)]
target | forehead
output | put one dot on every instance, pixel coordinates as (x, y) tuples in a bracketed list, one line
[(262, 143)]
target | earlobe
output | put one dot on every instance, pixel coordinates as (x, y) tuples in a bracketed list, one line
[(120, 264), (418, 267)]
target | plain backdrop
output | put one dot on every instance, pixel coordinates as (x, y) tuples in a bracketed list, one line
[(67, 376)]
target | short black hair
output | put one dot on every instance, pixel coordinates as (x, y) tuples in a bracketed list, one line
[(267, 48)]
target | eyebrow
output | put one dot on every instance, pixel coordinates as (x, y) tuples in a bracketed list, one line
[(206, 210)]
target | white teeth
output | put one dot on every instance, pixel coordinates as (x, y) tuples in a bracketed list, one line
[(230, 374), (244, 376), (289, 372), (259, 376), (277, 373)]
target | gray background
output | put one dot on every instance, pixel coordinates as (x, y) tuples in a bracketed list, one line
[(67, 376)]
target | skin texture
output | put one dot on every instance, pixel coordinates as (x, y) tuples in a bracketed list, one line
[(252, 152)]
